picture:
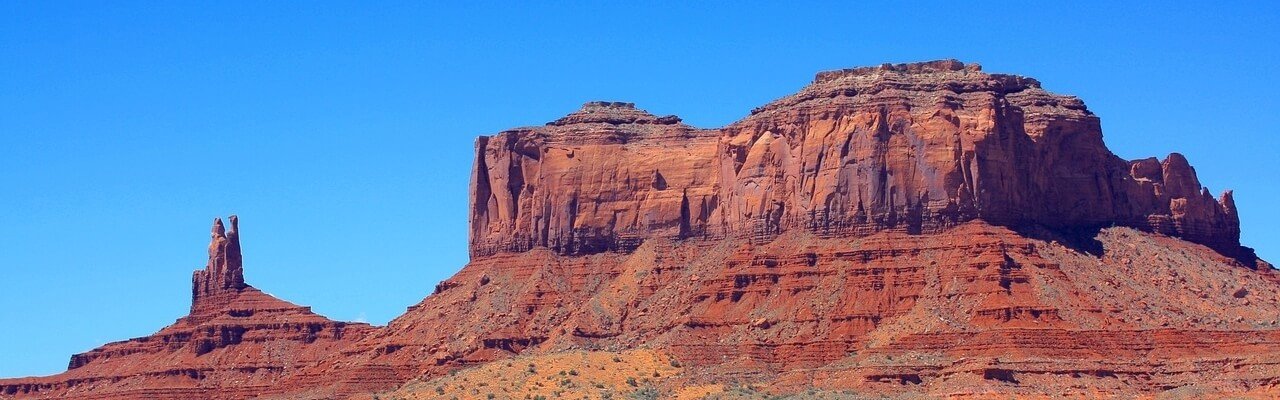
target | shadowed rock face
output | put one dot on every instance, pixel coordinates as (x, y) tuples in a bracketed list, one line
[(919, 147)]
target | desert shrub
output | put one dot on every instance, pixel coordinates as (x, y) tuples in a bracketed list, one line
[(645, 393)]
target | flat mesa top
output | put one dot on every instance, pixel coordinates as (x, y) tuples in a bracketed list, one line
[(926, 67), (613, 112)]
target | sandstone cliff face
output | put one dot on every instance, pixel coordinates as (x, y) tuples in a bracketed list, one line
[(908, 230), (918, 147), (223, 277), (602, 178), (236, 343)]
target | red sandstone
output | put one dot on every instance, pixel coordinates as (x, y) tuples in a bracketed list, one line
[(237, 342), (921, 147), (918, 229)]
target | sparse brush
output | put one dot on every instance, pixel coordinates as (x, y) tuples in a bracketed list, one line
[(645, 393)]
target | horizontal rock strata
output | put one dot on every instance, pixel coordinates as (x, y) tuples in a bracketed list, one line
[(236, 343), (918, 147), (912, 230)]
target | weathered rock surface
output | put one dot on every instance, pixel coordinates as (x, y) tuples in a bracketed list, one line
[(236, 343), (918, 230), (603, 178), (919, 147), (975, 309), (213, 287)]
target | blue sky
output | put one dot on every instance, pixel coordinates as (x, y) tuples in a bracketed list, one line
[(342, 134)]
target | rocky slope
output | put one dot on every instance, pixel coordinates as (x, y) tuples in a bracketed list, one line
[(972, 310), (236, 342), (912, 230)]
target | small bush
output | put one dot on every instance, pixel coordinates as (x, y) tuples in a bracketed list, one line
[(645, 393)]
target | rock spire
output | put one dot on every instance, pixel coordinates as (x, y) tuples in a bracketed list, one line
[(225, 271)]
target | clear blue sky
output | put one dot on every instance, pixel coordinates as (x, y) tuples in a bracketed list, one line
[(342, 135)]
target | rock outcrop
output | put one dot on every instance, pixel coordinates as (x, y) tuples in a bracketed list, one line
[(223, 278), (905, 230), (602, 178), (918, 147), (975, 310), (236, 343)]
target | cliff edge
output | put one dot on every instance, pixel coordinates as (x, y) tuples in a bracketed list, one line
[(919, 147)]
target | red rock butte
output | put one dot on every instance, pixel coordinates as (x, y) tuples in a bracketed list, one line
[(919, 147), (922, 229)]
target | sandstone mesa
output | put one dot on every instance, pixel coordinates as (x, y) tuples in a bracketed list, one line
[(922, 229)]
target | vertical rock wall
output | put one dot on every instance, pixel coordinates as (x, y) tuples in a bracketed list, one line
[(224, 274), (918, 147)]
